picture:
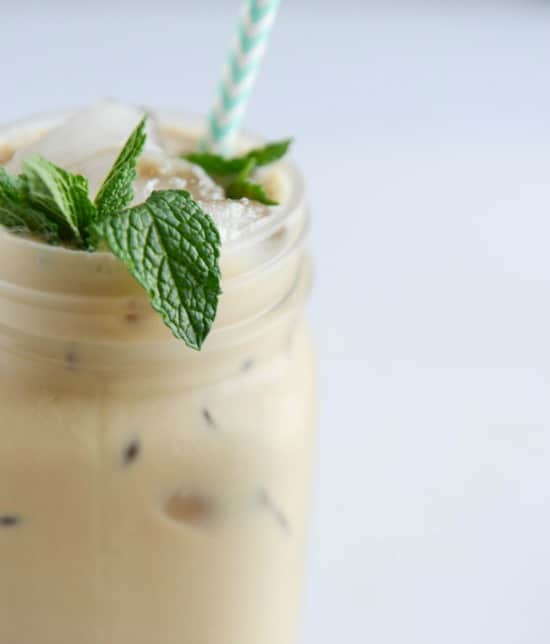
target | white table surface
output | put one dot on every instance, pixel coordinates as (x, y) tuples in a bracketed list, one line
[(424, 132)]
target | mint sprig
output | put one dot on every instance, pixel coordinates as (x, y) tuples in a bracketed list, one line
[(234, 174), (168, 243), (172, 248)]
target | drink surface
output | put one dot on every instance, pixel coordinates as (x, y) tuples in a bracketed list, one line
[(149, 493)]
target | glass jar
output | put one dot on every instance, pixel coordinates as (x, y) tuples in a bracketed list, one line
[(149, 493)]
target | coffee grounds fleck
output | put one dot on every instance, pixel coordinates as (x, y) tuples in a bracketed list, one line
[(131, 452), (9, 520), (208, 418), (71, 359), (267, 502), (247, 365), (131, 316)]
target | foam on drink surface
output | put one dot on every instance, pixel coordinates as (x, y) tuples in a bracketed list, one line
[(89, 142)]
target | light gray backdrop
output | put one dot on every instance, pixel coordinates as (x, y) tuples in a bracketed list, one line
[(424, 131)]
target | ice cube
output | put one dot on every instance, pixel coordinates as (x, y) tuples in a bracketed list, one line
[(234, 218), (89, 141), (158, 171)]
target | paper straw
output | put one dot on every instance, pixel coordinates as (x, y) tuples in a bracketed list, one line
[(240, 72)]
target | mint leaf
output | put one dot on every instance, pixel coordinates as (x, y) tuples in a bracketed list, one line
[(17, 214), (215, 165), (62, 196), (172, 248), (269, 153), (243, 187), (117, 192), (218, 166)]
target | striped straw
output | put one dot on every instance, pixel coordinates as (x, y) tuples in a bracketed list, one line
[(240, 72)]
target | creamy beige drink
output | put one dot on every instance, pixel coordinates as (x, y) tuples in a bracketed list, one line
[(150, 493)]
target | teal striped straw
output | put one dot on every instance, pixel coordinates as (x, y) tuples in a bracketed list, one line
[(240, 72)]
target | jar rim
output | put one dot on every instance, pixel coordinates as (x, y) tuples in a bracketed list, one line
[(30, 127)]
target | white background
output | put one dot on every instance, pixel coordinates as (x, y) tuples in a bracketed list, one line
[(423, 129)]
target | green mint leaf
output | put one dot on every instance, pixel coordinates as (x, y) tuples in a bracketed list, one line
[(269, 153), (117, 191), (17, 214), (217, 166), (62, 196), (172, 248), (247, 170), (243, 188)]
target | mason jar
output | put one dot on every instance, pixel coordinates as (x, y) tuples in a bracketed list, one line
[(150, 493)]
